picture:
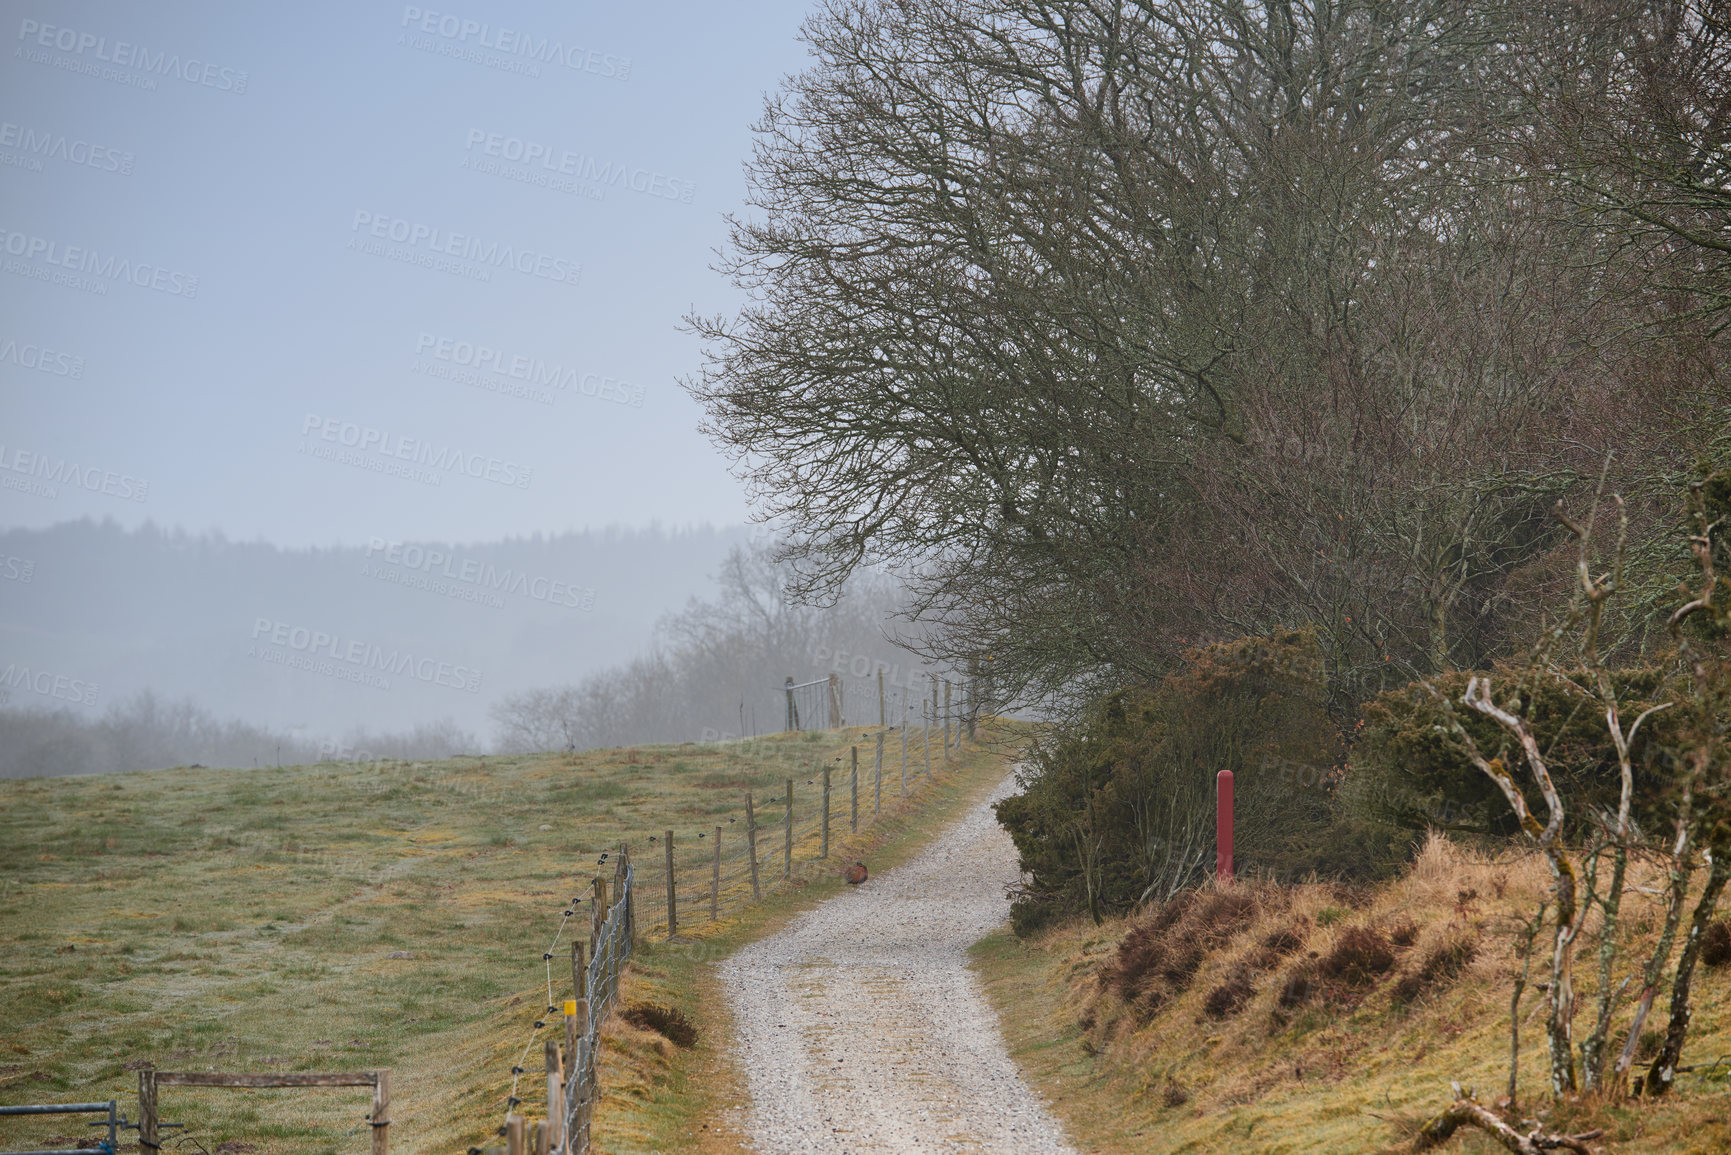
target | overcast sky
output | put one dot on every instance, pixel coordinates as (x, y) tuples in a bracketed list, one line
[(323, 272)]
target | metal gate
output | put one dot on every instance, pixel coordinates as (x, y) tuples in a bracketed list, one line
[(105, 1145), (814, 705)]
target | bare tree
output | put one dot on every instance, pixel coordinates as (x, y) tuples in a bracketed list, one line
[(1115, 325), (714, 665), (1700, 694)]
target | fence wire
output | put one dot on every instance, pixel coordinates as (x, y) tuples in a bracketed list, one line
[(639, 905), (612, 949)]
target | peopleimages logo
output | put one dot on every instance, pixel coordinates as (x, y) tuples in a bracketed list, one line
[(82, 260), (57, 363), (510, 42), (60, 687), (487, 363), (353, 660), (431, 242), (17, 569), (34, 145), (430, 568), (41, 473), (563, 162), (88, 47), (391, 447)]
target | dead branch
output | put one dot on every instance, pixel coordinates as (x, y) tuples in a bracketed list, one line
[(1466, 1111)]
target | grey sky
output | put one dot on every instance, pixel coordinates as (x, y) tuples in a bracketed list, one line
[(312, 388)]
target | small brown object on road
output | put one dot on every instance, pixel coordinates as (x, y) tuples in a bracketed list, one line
[(855, 874)]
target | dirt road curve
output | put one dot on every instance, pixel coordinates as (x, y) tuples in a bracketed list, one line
[(860, 1027)]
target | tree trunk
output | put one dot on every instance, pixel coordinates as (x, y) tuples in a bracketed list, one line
[(1664, 1068), (1593, 1050), (1678, 890)]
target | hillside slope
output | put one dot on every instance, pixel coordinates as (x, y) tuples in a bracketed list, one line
[(1223, 1030)]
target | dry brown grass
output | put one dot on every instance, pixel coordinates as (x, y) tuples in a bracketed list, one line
[(1367, 1052)]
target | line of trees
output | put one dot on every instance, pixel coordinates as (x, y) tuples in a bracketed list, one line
[(147, 732), (1117, 326), (715, 668)]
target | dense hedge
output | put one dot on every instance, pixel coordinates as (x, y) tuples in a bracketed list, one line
[(1118, 808), (1407, 772)]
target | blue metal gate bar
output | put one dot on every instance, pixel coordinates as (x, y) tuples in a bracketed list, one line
[(108, 1145)]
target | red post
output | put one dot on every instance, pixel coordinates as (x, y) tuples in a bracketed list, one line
[(1223, 825)]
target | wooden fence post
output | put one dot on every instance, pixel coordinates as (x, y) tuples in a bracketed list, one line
[(787, 833), (542, 1134), (571, 1027), (933, 716), (835, 701), (514, 1134), (715, 881), (147, 1143), (577, 1027), (971, 690), (946, 719), (597, 914), (878, 762), (883, 718), (672, 900), (824, 851), (904, 745), (751, 846), (853, 789), (927, 728), (792, 714), (381, 1116), (555, 1096), (630, 894), (878, 785), (579, 986)]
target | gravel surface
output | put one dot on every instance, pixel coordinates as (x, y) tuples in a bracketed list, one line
[(860, 1027)]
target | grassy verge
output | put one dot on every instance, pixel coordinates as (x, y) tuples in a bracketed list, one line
[(1355, 1071), (659, 1097), (346, 916)]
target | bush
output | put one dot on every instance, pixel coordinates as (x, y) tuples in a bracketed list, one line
[(1406, 774), (1228, 997), (1299, 986), (1117, 808), (668, 1022), (1284, 941), (1161, 954), (1442, 964), (1716, 944), (1359, 958)]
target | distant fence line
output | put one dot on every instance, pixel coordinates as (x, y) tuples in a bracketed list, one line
[(715, 882), (729, 865), (821, 704)]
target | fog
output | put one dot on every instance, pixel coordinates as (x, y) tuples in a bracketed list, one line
[(138, 648), (340, 354)]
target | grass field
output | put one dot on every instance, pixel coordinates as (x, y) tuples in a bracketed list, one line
[(245, 920)]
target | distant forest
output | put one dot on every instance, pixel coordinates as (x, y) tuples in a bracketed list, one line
[(708, 671)]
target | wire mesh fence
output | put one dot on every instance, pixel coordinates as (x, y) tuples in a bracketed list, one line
[(611, 950), (686, 877), (571, 1079), (719, 869)]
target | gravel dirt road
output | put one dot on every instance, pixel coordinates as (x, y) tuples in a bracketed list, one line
[(860, 1027)]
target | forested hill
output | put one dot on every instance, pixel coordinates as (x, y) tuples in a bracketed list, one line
[(317, 641)]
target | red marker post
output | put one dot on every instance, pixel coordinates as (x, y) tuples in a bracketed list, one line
[(1223, 825)]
